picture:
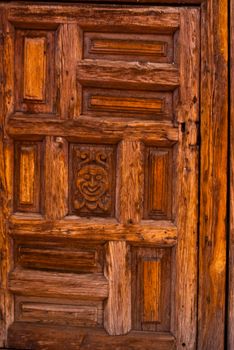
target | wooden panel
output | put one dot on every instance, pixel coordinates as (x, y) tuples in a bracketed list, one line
[(67, 285), (126, 103), (92, 177), (213, 193), (158, 232), (151, 289), (58, 255), (34, 71), (22, 334), (34, 68), (58, 312), (28, 181), (117, 312), (128, 47), (158, 183), (133, 75)]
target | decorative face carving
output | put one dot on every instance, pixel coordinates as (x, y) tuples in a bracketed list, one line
[(92, 182), (93, 176)]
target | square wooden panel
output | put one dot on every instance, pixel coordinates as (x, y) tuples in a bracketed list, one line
[(28, 176), (92, 180), (151, 289), (34, 71), (158, 183)]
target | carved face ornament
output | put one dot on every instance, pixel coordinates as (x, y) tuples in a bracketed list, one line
[(92, 182)]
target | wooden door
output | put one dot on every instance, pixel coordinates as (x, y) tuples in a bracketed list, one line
[(101, 112)]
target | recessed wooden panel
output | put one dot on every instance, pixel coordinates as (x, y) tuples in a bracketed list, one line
[(34, 71), (34, 68), (58, 311), (127, 103), (151, 289), (92, 174), (28, 184), (59, 256), (128, 46), (158, 183)]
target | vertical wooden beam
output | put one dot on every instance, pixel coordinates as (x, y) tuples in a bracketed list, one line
[(231, 227), (213, 191), (117, 312), (6, 171)]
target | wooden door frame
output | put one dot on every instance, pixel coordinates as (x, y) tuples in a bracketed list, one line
[(212, 240)]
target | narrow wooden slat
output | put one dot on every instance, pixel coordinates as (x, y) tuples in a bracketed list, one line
[(87, 128), (213, 174), (69, 51), (125, 74), (117, 311), (231, 204), (158, 233), (187, 185), (130, 185), (56, 178), (40, 283)]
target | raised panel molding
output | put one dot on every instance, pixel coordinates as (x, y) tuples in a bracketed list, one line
[(28, 183), (158, 183), (129, 46), (92, 174), (35, 71), (126, 103)]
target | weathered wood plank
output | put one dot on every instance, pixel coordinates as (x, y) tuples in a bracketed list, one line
[(213, 190), (67, 285), (117, 311)]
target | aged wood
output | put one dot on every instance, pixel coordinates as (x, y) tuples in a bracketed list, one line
[(230, 339), (118, 274), (213, 192)]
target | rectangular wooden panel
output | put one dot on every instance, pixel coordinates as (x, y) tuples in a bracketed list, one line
[(34, 68), (152, 290), (126, 104), (92, 180), (128, 46), (35, 88), (158, 183), (58, 311), (28, 176), (58, 255), (54, 284)]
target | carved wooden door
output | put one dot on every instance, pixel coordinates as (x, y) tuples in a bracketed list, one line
[(101, 110)]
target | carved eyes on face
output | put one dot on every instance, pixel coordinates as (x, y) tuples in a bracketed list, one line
[(89, 177)]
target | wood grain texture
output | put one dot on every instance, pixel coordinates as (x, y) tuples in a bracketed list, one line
[(213, 194), (84, 339), (130, 185), (187, 185), (56, 178), (117, 311), (230, 329), (6, 171), (73, 286)]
